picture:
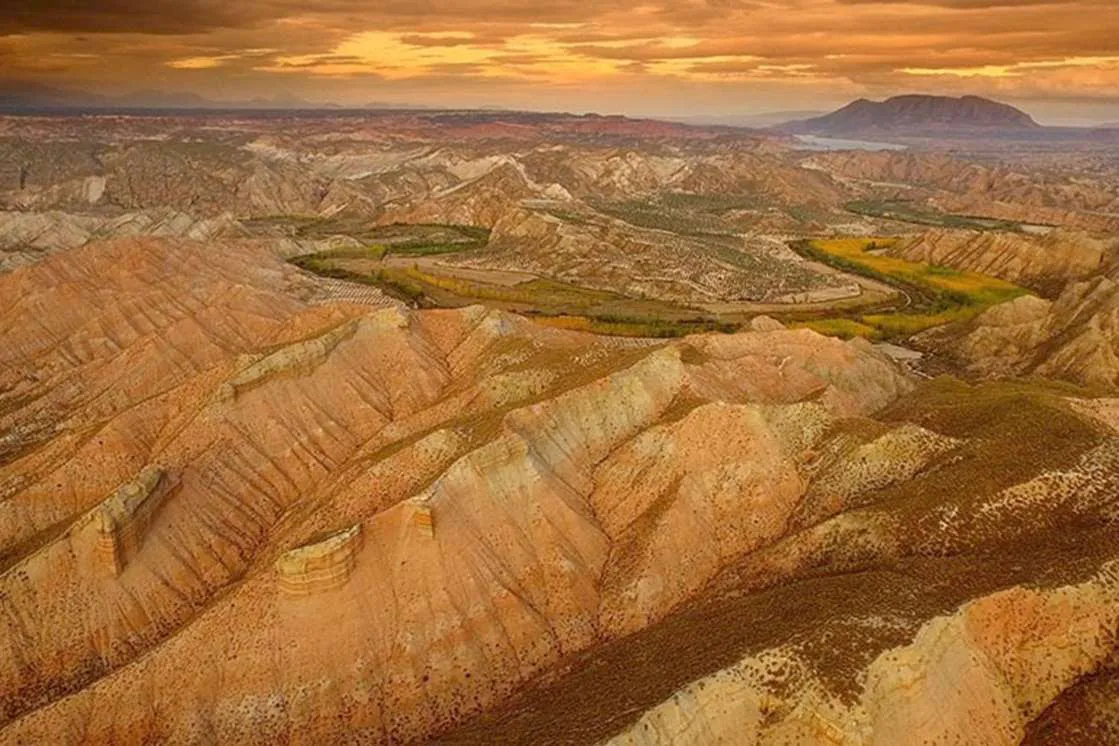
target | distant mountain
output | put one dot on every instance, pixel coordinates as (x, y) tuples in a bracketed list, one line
[(34, 96), (917, 115), (21, 95), (763, 119)]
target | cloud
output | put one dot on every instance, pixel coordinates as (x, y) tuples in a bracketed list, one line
[(109, 16), (523, 51)]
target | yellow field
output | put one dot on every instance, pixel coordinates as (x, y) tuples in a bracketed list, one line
[(981, 288), (951, 295)]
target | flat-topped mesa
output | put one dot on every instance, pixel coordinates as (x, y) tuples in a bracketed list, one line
[(124, 517), (321, 566), (298, 358)]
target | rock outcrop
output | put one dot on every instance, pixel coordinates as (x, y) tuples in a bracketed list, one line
[(1073, 338), (322, 566), (295, 359), (485, 465), (125, 516)]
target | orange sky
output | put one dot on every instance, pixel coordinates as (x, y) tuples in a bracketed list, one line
[(1057, 58)]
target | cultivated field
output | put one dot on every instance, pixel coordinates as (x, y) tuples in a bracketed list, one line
[(933, 295)]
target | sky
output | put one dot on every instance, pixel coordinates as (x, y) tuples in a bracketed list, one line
[(1058, 59)]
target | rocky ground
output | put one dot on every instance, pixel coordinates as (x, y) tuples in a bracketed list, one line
[(651, 209), (392, 525), (241, 503)]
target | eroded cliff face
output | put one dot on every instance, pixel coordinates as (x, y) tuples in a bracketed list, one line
[(25, 237), (321, 566), (349, 521), (1073, 338), (1006, 191), (1047, 261)]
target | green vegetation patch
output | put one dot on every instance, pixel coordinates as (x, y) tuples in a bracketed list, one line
[(912, 212), (934, 295), (712, 202), (378, 241), (551, 302), (680, 212), (638, 326), (423, 240)]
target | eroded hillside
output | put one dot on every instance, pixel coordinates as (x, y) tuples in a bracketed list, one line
[(689, 215), (249, 507), (303, 438)]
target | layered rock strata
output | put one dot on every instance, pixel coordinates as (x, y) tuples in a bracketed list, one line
[(322, 566), (125, 516)]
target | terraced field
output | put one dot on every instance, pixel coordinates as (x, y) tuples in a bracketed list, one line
[(378, 240), (686, 214)]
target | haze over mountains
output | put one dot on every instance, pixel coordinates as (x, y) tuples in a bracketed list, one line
[(758, 120), (907, 115), (17, 97)]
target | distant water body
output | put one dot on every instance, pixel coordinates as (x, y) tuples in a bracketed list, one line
[(812, 142)]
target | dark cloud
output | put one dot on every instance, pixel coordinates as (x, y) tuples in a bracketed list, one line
[(199, 16), (133, 16)]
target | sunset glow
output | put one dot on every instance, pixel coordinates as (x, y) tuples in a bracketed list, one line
[(634, 56)]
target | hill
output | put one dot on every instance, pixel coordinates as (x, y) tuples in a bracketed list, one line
[(917, 114), (251, 509)]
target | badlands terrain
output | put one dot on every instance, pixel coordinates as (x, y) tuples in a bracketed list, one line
[(492, 427)]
